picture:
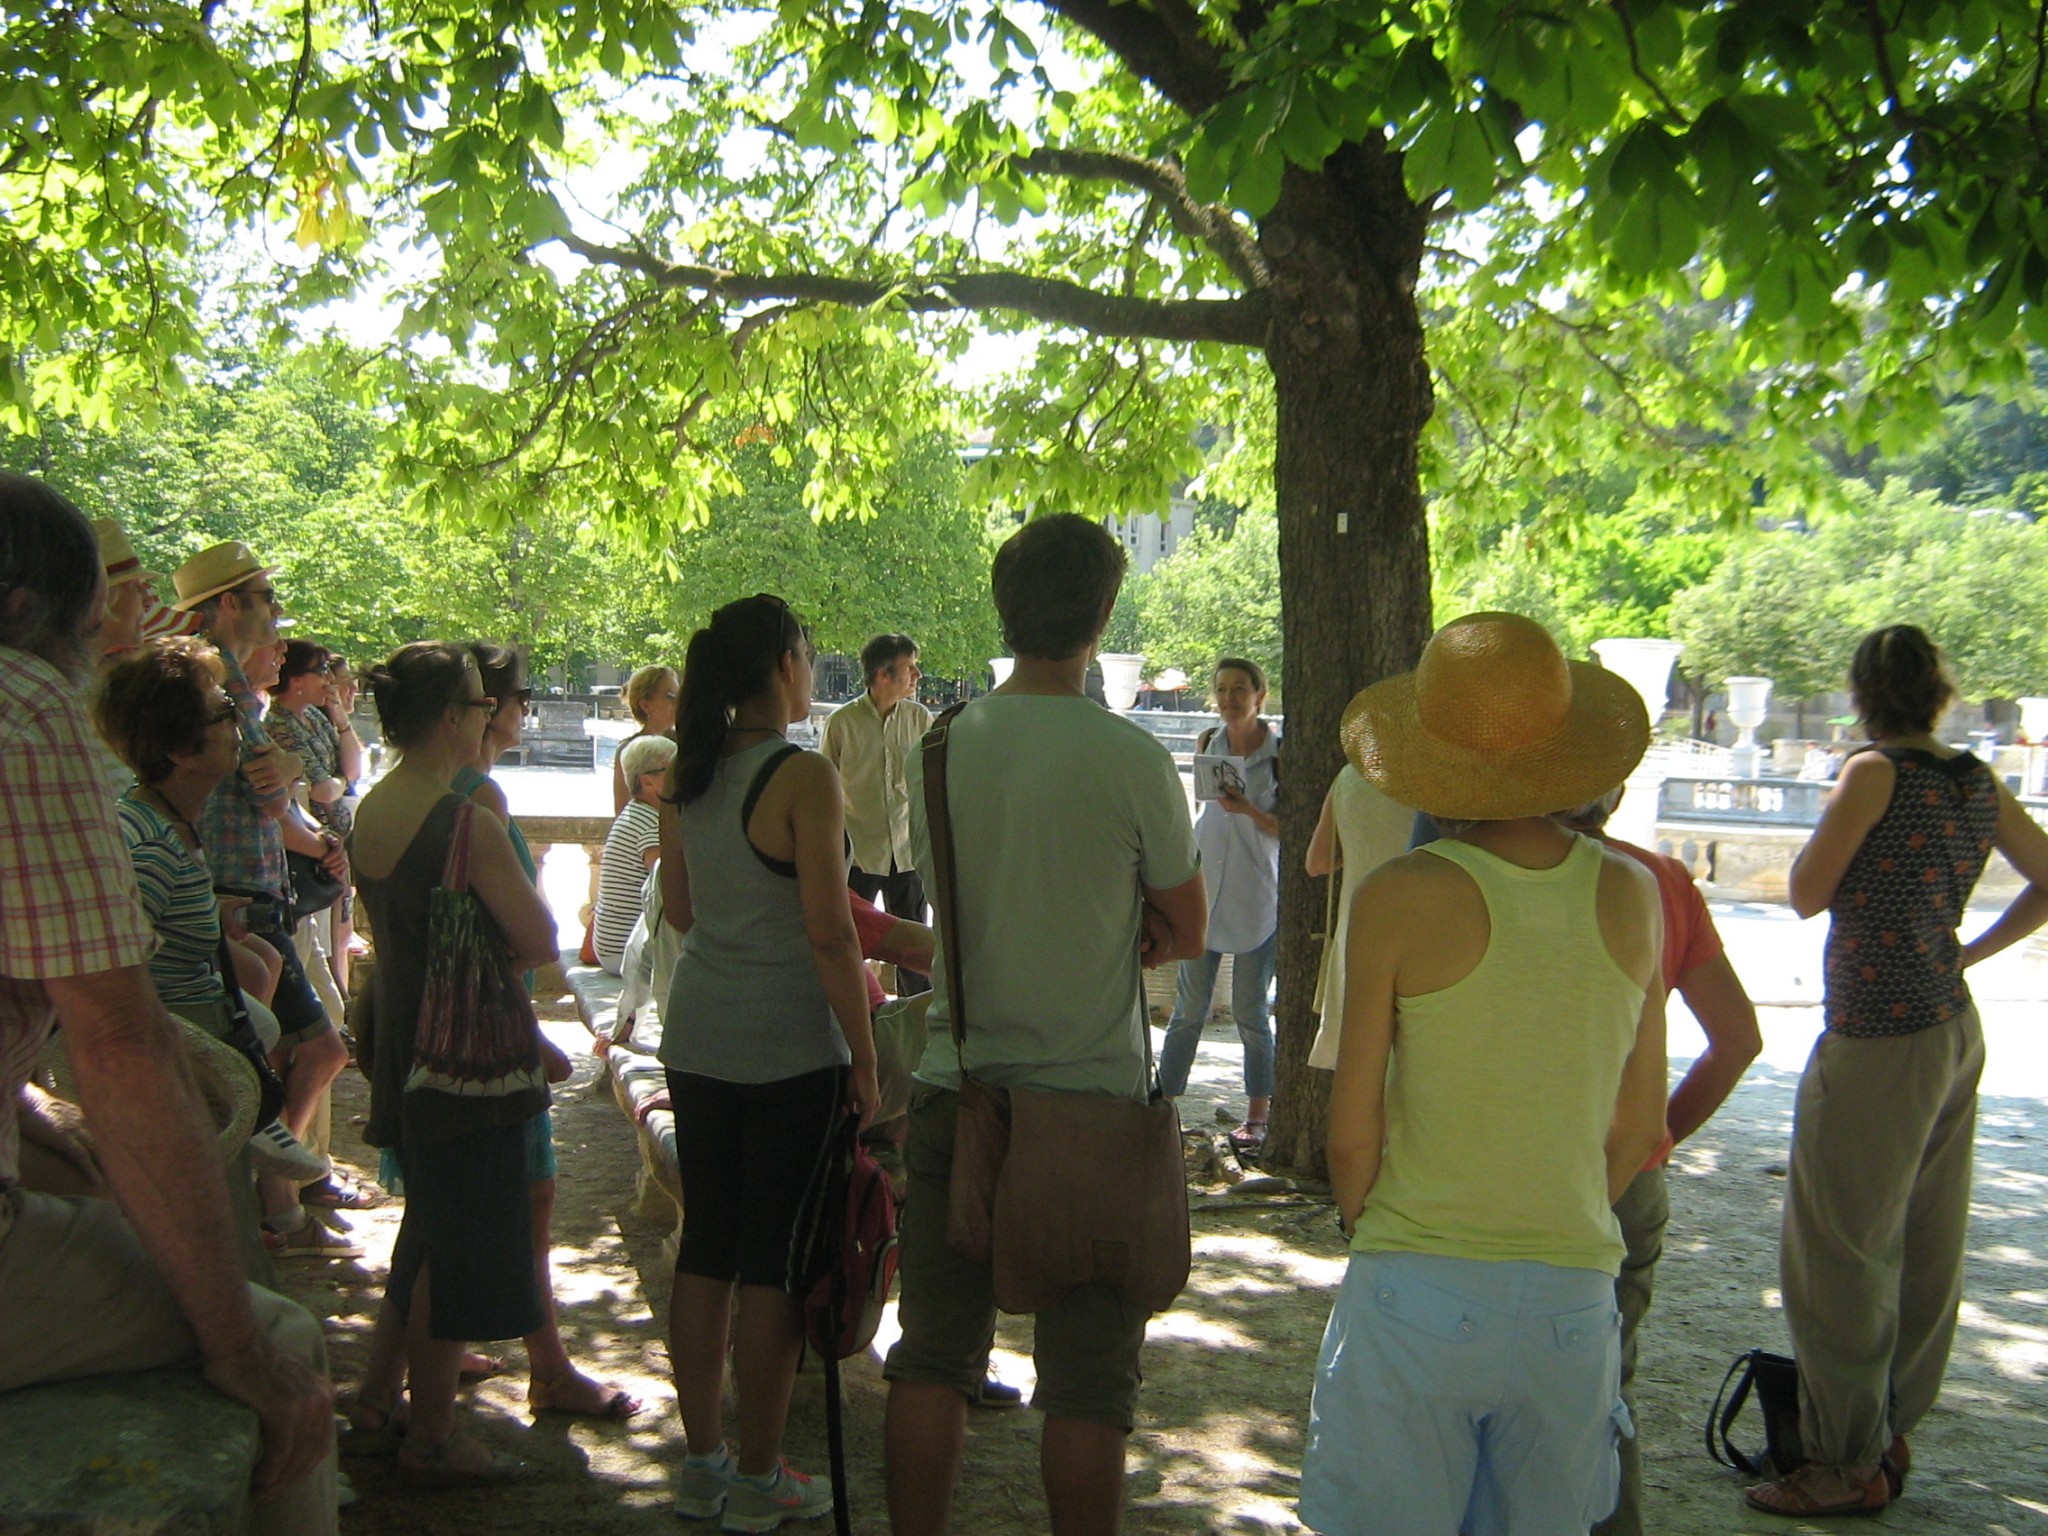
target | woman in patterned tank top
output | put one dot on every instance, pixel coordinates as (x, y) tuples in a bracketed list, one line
[(1877, 1205)]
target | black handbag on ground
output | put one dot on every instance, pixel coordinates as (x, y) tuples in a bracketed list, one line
[(1774, 1379), (313, 889)]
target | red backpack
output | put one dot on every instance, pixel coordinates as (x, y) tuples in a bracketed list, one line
[(849, 1238), (842, 1264)]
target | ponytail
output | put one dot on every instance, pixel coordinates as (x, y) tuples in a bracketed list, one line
[(729, 661)]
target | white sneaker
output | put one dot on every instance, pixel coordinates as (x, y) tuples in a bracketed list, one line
[(702, 1483), (273, 1149), (755, 1504)]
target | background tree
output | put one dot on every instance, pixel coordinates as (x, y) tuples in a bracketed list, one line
[(1217, 594), (1771, 609), (1160, 183)]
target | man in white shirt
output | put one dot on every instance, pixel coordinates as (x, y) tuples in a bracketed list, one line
[(868, 741), (1076, 862)]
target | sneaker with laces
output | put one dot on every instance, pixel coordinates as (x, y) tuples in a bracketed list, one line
[(274, 1149), (312, 1240), (755, 1504), (702, 1483)]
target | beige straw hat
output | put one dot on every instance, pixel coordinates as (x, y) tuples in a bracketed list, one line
[(213, 571), (118, 555), (1494, 723)]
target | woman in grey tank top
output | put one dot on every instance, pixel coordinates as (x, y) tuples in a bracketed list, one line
[(765, 1037)]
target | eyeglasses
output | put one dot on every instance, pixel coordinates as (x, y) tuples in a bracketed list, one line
[(262, 594), (489, 705), (223, 715)]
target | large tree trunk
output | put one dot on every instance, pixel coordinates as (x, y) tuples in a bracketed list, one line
[(1346, 350)]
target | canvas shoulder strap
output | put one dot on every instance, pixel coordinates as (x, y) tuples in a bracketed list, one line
[(944, 870)]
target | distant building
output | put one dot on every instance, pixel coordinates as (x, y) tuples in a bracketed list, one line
[(1149, 540)]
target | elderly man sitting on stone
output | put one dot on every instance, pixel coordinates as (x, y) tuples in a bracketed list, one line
[(87, 1286)]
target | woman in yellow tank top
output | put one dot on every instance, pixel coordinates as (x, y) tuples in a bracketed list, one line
[(1500, 1078)]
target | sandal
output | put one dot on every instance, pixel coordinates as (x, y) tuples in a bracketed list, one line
[(338, 1192), (617, 1405), (1817, 1492), (1249, 1137), (477, 1366), (374, 1429), (1897, 1462), (430, 1466)]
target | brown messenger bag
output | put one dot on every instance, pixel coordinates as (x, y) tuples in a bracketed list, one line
[(1054, 1190)]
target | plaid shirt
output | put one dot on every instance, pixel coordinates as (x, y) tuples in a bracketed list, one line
[(244, 843), (68, 905)]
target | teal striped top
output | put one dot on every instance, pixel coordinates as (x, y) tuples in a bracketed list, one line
[(177, 893)]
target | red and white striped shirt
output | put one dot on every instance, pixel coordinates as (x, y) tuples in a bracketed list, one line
[(68, 903)]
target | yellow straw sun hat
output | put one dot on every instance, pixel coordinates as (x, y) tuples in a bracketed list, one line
[(1494, 723), (215, 570)]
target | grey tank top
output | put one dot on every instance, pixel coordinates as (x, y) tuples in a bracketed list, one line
[(746, 1005)]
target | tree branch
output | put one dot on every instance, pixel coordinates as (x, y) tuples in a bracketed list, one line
[(1635, 60), (1885, 72), (1213, 226), (1239, 321), (2040, 63), (1161, 43)]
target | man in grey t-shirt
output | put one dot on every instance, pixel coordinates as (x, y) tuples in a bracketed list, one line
[(1077, 865)]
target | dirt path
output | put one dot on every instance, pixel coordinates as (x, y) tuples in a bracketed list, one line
[(1228, 1370)]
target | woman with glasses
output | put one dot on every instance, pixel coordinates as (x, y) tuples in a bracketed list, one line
[(765, 1038), (553, 1385), (463, 1266), (306, 717), (163, 711), (651, 695)]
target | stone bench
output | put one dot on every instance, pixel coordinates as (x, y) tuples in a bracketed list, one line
[(158, 1453), (639, 1085)]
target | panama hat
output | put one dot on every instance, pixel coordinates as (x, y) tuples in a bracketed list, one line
[(118, 555), (1495, 724), (214, 571)]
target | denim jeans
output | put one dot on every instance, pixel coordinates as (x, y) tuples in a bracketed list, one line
[(1251, 982)]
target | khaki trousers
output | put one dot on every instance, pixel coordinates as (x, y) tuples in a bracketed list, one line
[(80, 1297), (1876, 1214), (1644, 1211), (311, 941)]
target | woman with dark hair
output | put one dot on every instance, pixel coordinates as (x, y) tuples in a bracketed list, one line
[(553, 1383), (765, 1037), (1878, 1201), (163, 711), (306, 717), (463, 1266), (651, 695), (1239, 835)]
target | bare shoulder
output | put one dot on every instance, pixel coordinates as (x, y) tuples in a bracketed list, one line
[(491, 796), (1414, 872), (1628, 875), (1415, 885), (1866, 769), (809, 769)]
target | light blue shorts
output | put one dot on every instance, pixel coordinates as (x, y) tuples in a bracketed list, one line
[(1460, 1395)]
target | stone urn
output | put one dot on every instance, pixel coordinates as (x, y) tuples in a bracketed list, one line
[(1749, 701), (1645, 665), (1121, 673)]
